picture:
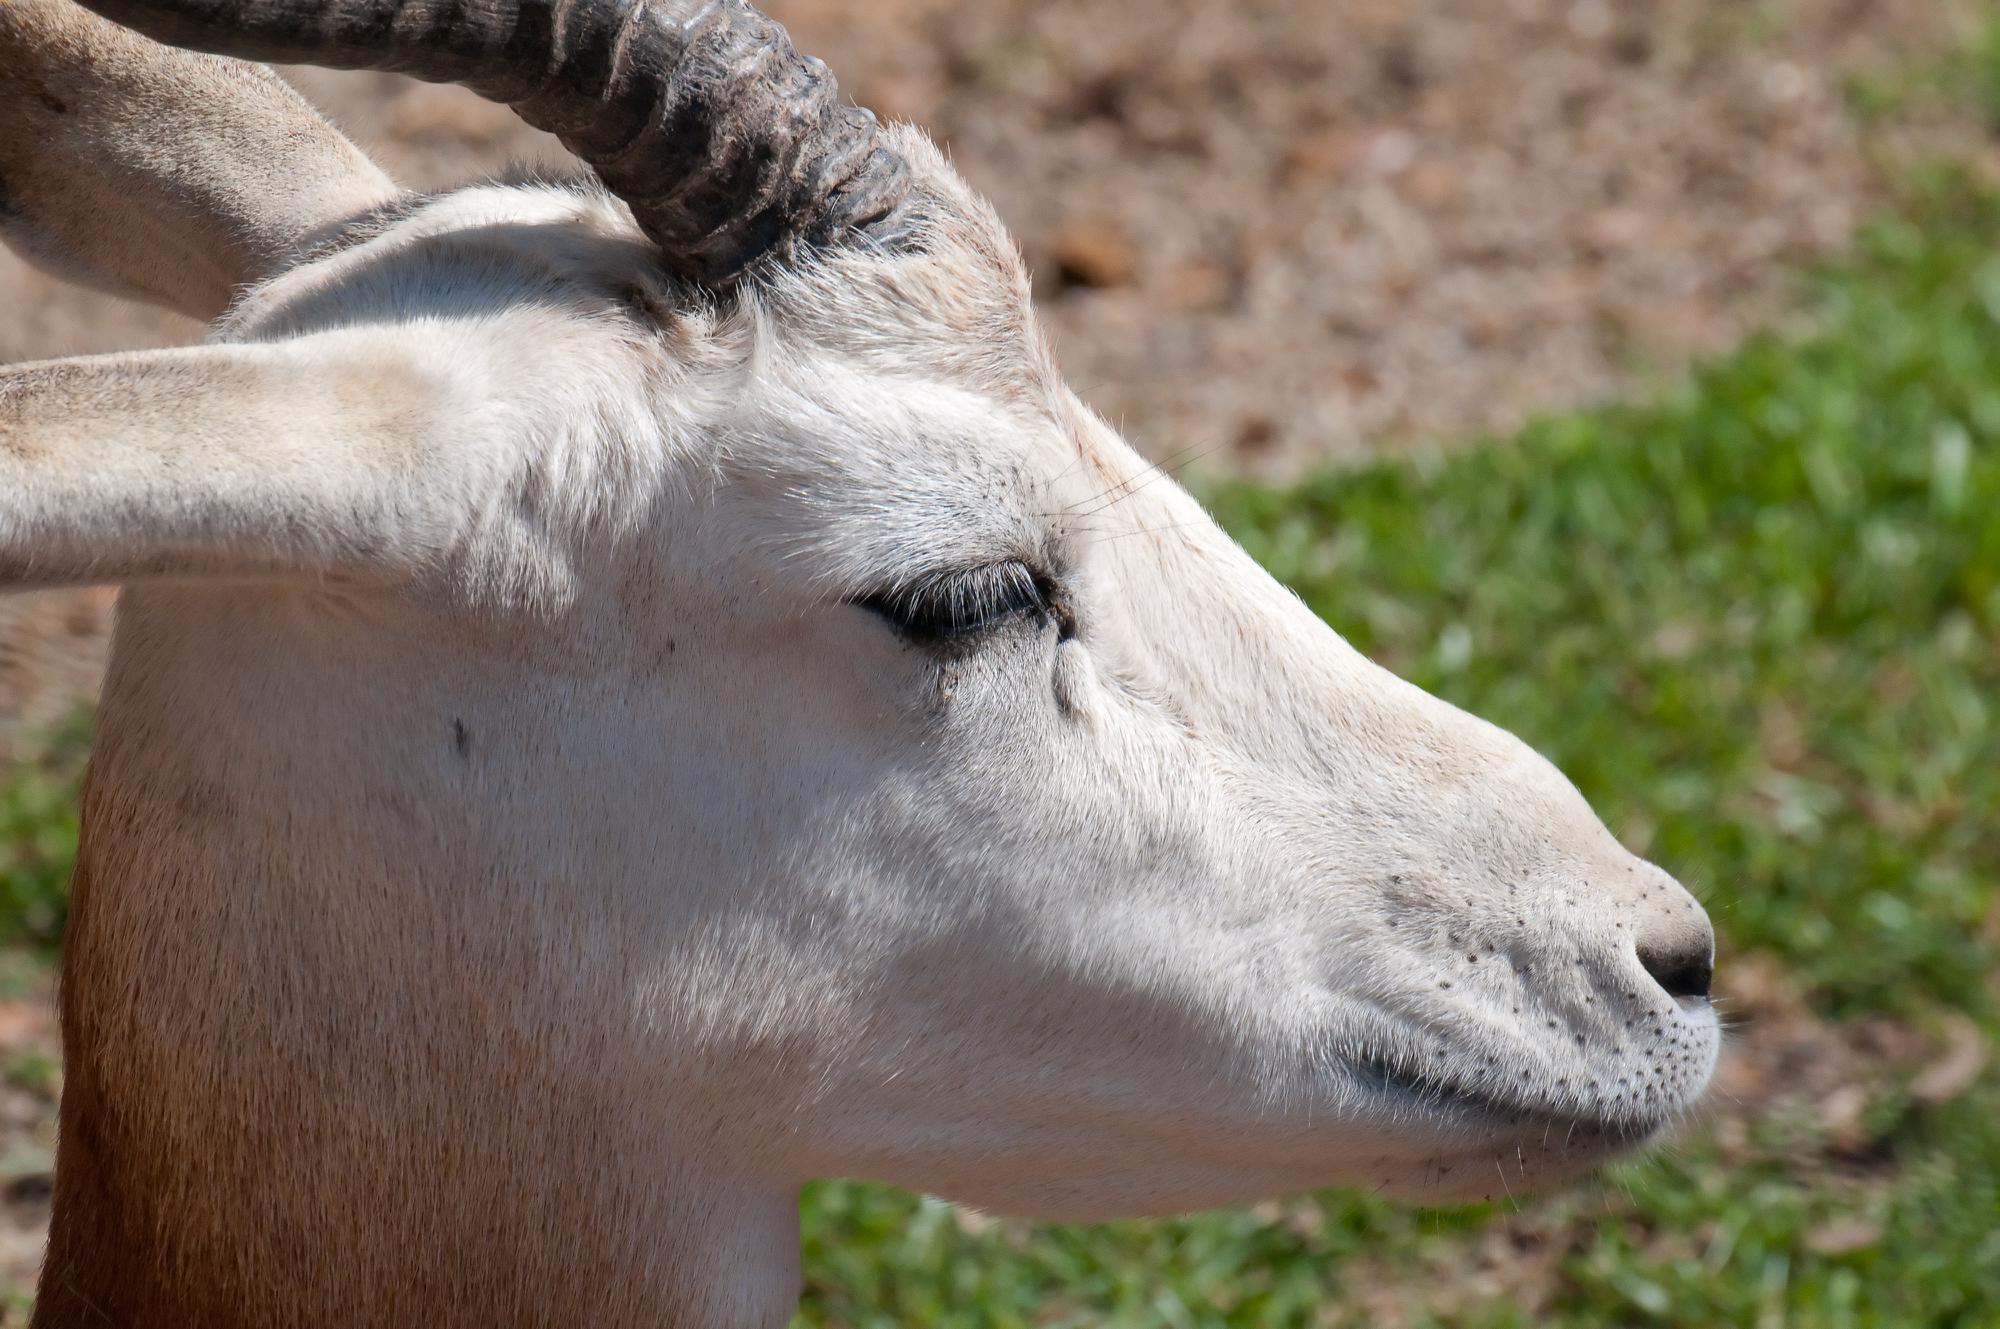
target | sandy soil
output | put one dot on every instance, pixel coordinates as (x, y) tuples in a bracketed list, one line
[(1306, 229)]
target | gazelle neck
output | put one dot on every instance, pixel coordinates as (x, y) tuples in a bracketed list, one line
[(482, 1238), (308, 1087)]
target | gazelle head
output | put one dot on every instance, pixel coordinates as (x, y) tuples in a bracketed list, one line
[(684, 630)]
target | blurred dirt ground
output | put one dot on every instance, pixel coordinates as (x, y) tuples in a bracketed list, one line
[(1301, 228), (1271, 232), (1267, 231)]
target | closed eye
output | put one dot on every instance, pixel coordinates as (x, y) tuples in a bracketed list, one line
[(950, 606)]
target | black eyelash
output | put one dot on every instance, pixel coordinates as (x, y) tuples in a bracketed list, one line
[(948, 605)]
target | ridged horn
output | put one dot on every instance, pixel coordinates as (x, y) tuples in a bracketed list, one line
[(726, 143)]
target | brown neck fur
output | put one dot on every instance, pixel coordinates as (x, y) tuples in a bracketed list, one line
[(207, 1176)]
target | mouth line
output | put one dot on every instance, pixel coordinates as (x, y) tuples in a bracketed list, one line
[(1382, 1076), (1433, 1095)]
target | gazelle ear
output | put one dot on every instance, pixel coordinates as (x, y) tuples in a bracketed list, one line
[(321, 456), (159, 174)]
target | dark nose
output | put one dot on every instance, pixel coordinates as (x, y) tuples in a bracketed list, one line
[(1682, 962)]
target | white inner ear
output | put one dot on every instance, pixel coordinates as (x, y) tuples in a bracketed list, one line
[(315, 456)]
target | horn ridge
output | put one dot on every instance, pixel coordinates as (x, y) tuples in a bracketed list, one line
[(728, 145)]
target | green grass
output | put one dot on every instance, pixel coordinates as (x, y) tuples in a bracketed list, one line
[(1759, 623), (1966, 76), (38, 824)]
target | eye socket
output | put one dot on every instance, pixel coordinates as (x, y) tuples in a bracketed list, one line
[(951, 606)]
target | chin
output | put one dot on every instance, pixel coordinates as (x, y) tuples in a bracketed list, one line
[(1517, 1158)]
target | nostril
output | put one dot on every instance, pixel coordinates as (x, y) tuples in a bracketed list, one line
[(1684, 970)]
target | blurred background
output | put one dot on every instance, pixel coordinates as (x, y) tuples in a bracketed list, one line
[(1625, 370)]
